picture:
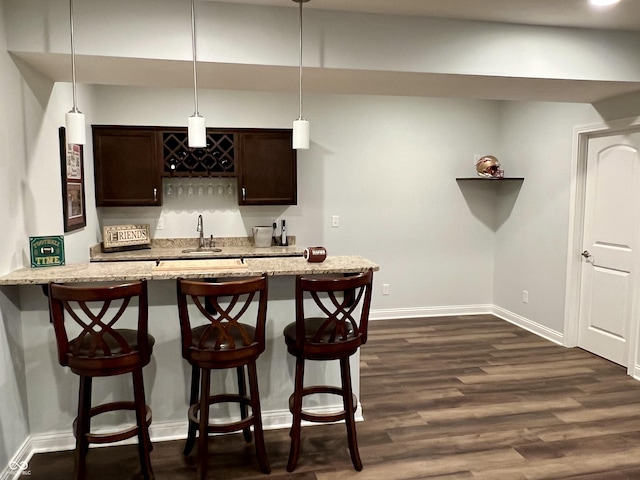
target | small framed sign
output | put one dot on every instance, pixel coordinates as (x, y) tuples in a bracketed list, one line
[(116, 237), (46, 251), (72, 167)]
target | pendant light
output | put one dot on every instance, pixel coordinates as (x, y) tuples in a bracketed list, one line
[(196, 123), (74, 119), (300, 125)]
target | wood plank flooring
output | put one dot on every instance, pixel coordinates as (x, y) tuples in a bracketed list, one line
[(467, 397)]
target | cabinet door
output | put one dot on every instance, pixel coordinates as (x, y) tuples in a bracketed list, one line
[(267, 168), (126, 166)]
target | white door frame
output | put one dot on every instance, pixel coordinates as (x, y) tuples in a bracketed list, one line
[(581, 137)]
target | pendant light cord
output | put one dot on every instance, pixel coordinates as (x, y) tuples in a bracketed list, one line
[(300, 60), (193, 51), (73, 59)]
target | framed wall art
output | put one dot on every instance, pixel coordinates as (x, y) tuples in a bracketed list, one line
[(72, 167)]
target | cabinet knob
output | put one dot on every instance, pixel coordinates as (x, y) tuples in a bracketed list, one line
[(244, 194), (155, 194)]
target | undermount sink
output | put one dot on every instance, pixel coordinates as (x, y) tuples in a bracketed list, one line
[(202, 251)]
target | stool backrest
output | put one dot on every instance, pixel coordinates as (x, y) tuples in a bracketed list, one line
[(96, 310), (223, 305), (337, 301)]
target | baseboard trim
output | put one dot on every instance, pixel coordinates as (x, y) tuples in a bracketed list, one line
[(19, 464), (423, 312), (480, 309), (533, 327)]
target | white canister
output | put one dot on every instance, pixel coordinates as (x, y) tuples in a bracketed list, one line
[(262, 236)]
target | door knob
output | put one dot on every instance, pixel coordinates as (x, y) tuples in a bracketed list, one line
[(586, 254)]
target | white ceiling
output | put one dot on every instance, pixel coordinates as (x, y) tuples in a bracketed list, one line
[(566, 13)]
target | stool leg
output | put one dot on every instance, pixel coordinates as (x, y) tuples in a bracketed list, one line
[(193, 399), (349, 408), (83, 426), (203, 440), (242, 390), (144, 442), (296, 410), (257, 419)]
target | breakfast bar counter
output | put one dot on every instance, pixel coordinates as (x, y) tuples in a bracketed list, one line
[(171, 269)]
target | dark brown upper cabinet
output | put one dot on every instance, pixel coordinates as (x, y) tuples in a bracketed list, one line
[(268, 174), (126, 166), (130, 162)]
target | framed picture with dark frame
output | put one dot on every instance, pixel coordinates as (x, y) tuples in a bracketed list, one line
[(72, 167)]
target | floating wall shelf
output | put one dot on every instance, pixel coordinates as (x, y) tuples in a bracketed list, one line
[(490, 180), (490, 204)]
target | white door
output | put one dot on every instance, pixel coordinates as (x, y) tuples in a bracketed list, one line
[(612, 219)]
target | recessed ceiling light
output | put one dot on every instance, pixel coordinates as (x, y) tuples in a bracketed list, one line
[(603, 3)]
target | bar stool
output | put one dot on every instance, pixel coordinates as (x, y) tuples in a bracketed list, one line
[(335, 335), (223, 342), (102, 350)]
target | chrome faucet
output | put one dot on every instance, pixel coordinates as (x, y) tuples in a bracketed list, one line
[(200, 229)]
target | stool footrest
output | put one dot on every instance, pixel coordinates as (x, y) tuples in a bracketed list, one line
[(322, 417), (224, 427), (113, 436)]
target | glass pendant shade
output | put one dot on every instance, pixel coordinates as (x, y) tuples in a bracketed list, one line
[(75, 127), (300, 134), (197, 131)]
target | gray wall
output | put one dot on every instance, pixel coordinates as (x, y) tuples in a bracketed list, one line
[(531, 243), (385, 165), (14, 426)]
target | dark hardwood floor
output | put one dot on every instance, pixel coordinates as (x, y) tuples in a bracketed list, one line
[(469, 397)]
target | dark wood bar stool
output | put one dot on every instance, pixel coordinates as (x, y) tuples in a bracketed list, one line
[(333, 332), (223, 342), (102, 350)]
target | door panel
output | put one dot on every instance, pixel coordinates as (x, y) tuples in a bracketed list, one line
[(610, 237), (607, 302)]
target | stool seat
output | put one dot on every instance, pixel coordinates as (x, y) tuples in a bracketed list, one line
[(88, 342), (211, 349), (97, 359), (318, 334), (207, 338), (336, 334), (121, 342)]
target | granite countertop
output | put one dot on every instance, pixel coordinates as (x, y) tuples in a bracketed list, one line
[(173, 248), (135, 270)]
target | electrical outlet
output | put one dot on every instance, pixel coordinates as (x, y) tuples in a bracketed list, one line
[(385, 289), (160, 224), (335, 221), (525, 296)]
